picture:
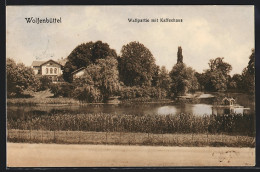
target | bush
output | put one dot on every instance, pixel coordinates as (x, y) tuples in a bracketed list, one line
[(62, 89), (87, 94), (45, 83), (142, 92), (19, 78)]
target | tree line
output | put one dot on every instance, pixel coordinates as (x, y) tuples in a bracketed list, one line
[(131, 75)]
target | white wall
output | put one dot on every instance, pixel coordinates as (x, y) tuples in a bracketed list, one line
[(52, 66)]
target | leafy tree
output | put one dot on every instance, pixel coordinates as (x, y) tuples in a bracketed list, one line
[(164, 80), (217, 76), (201, 78), (179, 55), (183, 79), (19, 78), (155, 77), (100, 80), (236, 82), (84, 55), (248, 74), (220, 65), (136, 65), (216, 81)]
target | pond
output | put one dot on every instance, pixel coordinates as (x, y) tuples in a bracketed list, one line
[(205, 106)]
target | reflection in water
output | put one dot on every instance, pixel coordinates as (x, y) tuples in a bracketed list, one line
[(203, 96), (202, 109), (239, 110), (197, 109), (165, 110)]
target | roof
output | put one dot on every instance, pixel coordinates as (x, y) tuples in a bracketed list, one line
[(229, 99), (78, 70), (40, 63), (62, 61), (37, 63)]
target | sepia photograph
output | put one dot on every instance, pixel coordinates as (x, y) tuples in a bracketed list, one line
[(130, 86)]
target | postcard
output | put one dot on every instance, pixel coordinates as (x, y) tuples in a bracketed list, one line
[(130, 86)]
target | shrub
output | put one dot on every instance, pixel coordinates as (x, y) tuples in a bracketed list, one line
[(87, 94), (62, 89), (142, 92), (45, 83)]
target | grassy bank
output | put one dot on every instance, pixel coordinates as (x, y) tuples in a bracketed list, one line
[(127, 138), (70, 101), (36, 100)]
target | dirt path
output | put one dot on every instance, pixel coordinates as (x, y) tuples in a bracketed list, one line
[(58, 155)]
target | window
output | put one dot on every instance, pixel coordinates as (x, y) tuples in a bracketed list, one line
[(51, 71), (47, 70), (55, 70)]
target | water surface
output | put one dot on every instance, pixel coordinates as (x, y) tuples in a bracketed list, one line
[(204, 107)]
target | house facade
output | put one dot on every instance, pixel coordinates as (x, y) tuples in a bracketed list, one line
[(49, 68)]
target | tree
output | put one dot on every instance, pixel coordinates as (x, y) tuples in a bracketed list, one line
[(183, 79), (236, 82), (216, 81), (217, 76), (179, 55), (19, 78), (85, 55), (164, 80), (201, 78), (219, 65), (100, 80), (248, 75), (136, 65)]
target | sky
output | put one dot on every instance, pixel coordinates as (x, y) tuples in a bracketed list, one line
[(207, 32)]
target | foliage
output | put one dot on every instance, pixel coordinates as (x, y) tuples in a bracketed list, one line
[(217, 76), (201, 78), (88, 94), (63, 89), (85, 55), (179, 55), (45, 83), (19, 78), (99, 81), (142, 92), (164, 80), (248, 75), (236, 82), (181, 123), (136, 65), (183, 79)]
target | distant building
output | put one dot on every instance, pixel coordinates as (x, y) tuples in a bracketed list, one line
[(49, 68), (79, 72), (228, 101)]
